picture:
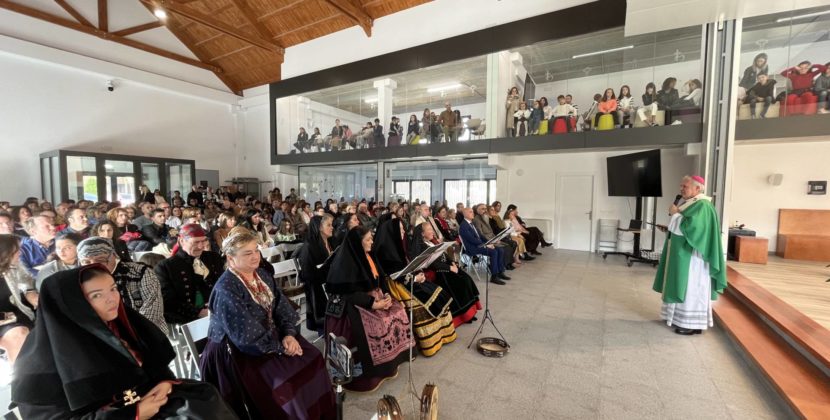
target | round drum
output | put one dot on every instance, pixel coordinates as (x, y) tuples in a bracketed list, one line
[(429, 402), (492, 347), (388, 408)]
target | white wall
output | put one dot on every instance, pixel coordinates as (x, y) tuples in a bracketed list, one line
[(755, 202), (534, 191), (46, 107)]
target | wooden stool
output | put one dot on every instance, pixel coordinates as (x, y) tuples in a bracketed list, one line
[(751, 249)]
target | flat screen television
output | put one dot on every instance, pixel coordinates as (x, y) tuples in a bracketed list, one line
[(635, 175)]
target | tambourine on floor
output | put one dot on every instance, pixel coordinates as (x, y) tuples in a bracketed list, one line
[(492, 347), (389, 409)]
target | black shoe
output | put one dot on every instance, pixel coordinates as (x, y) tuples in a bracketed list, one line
[(527, 257), (535, 252), (510, 266), (496, 280), (686, 331), (546, 244), (502, 276)]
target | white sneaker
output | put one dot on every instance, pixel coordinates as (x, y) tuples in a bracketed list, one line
[(677, 122), (823, 111)]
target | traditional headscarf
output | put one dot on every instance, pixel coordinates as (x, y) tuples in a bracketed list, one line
[(74, 360), (314, 249), (389, 247), (95, 246), (350, 270), (418, 244)]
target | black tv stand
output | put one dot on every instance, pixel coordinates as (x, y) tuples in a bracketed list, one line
[(637, 255)]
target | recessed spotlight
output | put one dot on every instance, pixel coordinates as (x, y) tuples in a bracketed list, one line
[(160, 13)]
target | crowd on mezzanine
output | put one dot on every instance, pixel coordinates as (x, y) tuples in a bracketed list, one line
[(87, 329)]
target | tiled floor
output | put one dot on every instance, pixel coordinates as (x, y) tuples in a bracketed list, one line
[(586, 343)]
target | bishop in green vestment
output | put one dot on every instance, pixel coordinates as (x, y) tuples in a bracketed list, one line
[(692, 270)]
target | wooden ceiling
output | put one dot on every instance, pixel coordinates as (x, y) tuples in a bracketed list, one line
[(242, 41)]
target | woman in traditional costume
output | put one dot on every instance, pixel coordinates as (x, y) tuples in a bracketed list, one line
[(91, 357), (255, 354), (431, 305), (316, 250), (445, 273), (361, 310)]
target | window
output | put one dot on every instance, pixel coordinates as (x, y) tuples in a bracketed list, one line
[(81, 178), (469, 192), (402, 190), (422, 191)]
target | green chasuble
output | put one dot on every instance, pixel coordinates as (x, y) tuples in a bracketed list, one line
[(700, 233)]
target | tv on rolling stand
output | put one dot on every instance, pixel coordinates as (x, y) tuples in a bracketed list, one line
[(635, 175)]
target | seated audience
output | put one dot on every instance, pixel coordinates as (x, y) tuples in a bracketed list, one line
[(78, 223), (6, 223), (90, 356), (693, 98), (521, 119), (412, 129), (21, 215), (431, 317), (36, 248), (801, 78), (532, 234), (64, 258), (425, 216), (285, 234), (821, 87), (146, 208), (607, 105), (18, 298), (763, 91), (137, 282), (378, 140), (316, 141), (347, 222), (313, 273), (498, 225), (445, 273), (474, 244), (363, 312), (447, 225), (252, 220), (750, 77), (158, 233), (366, 219), (106, 229), (562, 111), (650, 105), (225, 222), (536, 114), (302, 141), (187, 278), (255, 354), (667, 97), (482, 223), (625, 107)]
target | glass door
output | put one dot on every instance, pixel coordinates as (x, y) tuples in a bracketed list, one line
[(179, 178), (120, 181), (151, 176)]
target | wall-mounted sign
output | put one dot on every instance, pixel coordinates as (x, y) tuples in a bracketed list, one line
[(817, 187)]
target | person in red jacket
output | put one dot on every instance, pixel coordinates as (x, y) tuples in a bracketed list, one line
[(801, 99)]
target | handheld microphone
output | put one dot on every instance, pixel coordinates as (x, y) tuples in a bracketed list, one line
[(677, 199)]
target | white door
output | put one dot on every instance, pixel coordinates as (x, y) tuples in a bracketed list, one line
[(575, 203)]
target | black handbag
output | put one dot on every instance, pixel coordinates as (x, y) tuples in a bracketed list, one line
[(336, 306), (191, 400)]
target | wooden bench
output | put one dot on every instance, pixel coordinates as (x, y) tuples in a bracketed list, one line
[(742, 310), (751, 249), (804, 234)]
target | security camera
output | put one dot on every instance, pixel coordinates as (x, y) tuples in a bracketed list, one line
[(110, 85)]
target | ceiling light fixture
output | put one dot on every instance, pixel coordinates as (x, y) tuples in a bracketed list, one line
[(160, 13), (445, 87), (802, 16), (627, 47), (371, 100)]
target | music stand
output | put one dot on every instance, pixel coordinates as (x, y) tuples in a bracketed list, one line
[(487, 315)]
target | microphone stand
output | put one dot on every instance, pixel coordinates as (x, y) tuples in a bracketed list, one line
[(487, 314)]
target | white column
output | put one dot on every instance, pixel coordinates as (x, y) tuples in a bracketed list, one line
[(385, 88)]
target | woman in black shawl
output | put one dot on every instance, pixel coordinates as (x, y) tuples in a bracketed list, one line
[(430, 307), (91, 357), (361, 310), (316, 250), (445, 273)]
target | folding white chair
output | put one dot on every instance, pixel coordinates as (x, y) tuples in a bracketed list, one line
[(138, 254), (195, 336), (475, 261), (295, 292), (270, 252)]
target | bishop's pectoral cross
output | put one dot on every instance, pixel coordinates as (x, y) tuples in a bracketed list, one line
[(131, 397)]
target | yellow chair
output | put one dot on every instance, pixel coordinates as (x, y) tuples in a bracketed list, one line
[(606, 122)]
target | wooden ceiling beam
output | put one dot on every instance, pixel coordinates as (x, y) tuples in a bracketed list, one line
[(138, 28), (355, 13), (279, 10), (66, 23), (251, 17), (213, 24), (75, 14), (307, 25), (103, 16)]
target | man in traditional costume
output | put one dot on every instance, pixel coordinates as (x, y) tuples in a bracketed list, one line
[(692, 268)]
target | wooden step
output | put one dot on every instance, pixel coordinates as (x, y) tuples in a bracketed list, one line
[(800, 382)]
